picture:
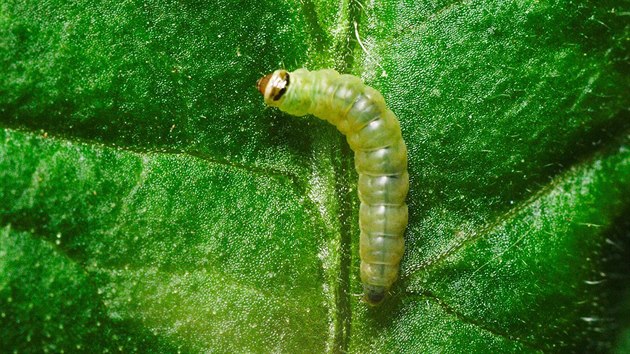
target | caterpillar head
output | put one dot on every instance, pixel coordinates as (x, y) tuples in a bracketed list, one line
[(274, 86)]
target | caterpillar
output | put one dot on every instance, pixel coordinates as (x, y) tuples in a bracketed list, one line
[(373, 133)]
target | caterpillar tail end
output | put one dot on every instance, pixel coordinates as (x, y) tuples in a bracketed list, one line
[(373, 295)]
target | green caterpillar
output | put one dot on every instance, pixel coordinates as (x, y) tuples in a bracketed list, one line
[(373, 133)]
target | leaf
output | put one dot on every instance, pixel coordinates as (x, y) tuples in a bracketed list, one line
[(148, 201)]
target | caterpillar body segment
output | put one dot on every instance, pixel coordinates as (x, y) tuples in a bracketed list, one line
[(373, 133)]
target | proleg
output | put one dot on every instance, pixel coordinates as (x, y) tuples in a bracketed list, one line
[(373, 133)]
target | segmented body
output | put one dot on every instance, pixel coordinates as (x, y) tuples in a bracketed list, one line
[(373, 133)]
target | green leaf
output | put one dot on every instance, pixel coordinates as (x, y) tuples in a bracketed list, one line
[(149, 202)]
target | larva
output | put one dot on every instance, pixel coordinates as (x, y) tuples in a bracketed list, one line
[(373, 133)]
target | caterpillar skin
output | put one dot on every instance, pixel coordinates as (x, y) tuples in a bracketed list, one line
[(373, 133)]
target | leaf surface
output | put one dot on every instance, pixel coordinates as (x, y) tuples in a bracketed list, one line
[(149, 202)]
